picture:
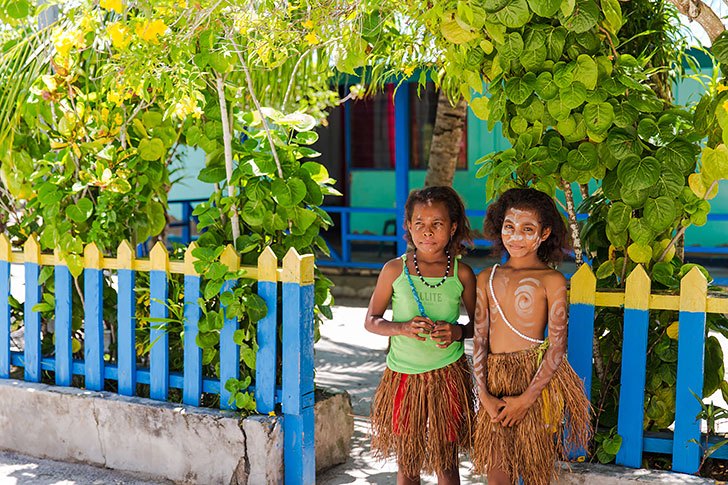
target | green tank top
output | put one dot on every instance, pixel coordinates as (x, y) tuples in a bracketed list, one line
[(411, 356)]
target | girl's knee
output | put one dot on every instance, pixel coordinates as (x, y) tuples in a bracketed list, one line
[(499, 477), (404, 479), (449, 477)]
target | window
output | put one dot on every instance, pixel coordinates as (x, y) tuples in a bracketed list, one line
[(423, 110), (371, 129)]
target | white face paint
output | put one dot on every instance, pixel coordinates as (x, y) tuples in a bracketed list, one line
[(521, 232)]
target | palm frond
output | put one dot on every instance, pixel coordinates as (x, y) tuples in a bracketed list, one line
[(21, 63)]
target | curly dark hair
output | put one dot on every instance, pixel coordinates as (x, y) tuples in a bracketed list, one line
[(551, 250), (455, 209)]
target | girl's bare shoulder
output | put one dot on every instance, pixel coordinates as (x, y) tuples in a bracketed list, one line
[(465, 271), (484, 275), (391, 269), (552, 279)]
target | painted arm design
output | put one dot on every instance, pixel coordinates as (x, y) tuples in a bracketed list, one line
[(557, 325), (480, 339)]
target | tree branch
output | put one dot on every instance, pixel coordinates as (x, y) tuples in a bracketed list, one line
[(573, 225), (697, 10), (263, 119), (228, 145), (682, 230)]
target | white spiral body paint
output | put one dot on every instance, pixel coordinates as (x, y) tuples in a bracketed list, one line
[(480, 341), (525, 298), (559, 307)]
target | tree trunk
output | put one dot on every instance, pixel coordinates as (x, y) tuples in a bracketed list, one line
[(447, 137), (227, 143), (697, 10), (573, 224)]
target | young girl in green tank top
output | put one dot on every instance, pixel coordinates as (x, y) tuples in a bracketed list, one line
[(423, 408)]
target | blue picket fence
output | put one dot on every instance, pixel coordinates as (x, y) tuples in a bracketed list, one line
[(295, 276), (693, 303)]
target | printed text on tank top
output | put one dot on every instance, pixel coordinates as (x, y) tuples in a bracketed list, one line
[(525, 294)]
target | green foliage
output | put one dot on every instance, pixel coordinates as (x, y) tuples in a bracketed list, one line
[(581, 90), (280, 213), (91, 130), (607, 445)]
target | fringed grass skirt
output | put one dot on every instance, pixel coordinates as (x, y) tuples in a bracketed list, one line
[(424, 419), (531, 448)]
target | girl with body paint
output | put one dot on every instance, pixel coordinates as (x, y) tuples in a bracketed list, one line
[(422, 411), (528, 392)]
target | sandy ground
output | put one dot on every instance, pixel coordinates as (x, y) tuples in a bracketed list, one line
[(350, 358)]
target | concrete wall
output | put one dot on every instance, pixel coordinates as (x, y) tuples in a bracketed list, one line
[(174, 442)]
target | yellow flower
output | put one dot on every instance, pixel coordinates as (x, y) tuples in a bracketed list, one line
[(88, 23), (725, 105), (311, 38), (308, 24), (115, 5), (119, 95), (151, 30), (187, 106), (115, 97), (66, 40), (722, 87), (408, 70), (119, 35)]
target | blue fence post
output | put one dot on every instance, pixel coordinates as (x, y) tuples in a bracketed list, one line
[(192, 385), (126, 317), (401, 159), (93, 322), (582, 299), (298, 398), (32, 318), (229, 350), (63, 326), (266, 360), (187, 218), (159, 313), (634, 361), (690, 360), (345, 241), (5, 258)]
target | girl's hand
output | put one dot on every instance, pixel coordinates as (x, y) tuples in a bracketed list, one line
[(446, 333), (491, 404), (514, 410), (416, 326)]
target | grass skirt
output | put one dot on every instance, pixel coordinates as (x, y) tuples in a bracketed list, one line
[(424, 419), (531, 448)]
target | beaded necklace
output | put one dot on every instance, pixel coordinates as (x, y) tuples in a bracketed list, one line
[(422, 279)]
